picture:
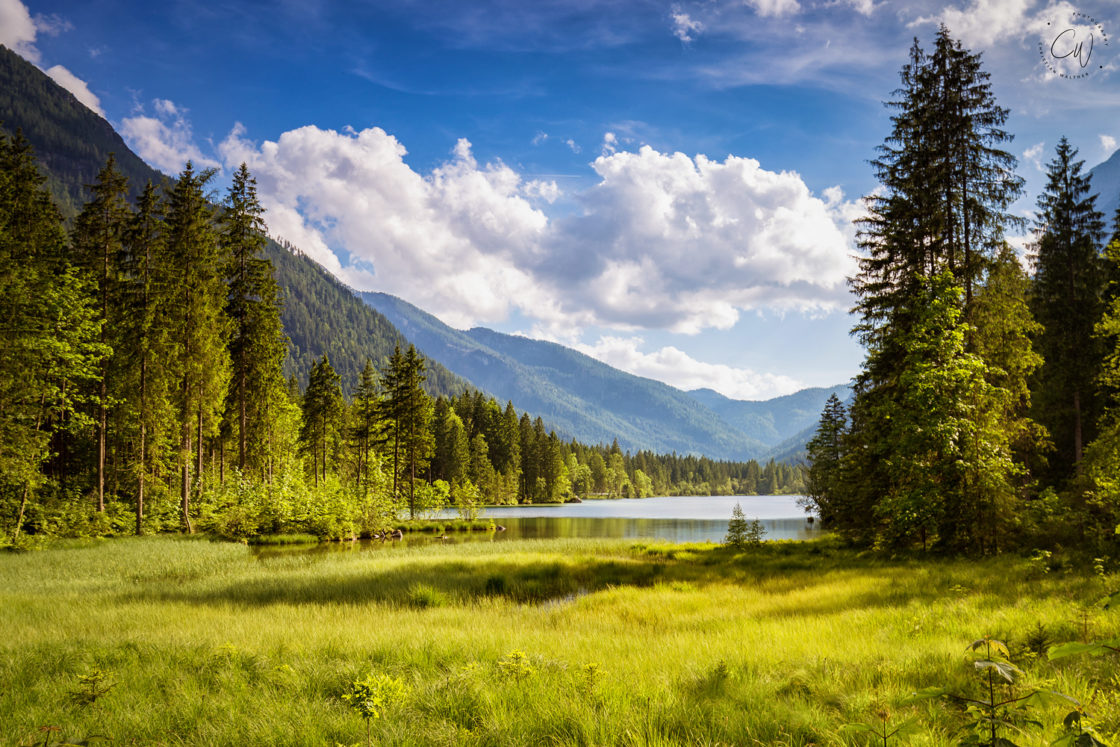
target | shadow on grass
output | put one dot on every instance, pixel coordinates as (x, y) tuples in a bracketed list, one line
[(819, 575)]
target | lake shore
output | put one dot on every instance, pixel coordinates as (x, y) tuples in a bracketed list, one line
[(526, 642)]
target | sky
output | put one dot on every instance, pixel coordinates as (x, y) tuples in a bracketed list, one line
[(668, 186)]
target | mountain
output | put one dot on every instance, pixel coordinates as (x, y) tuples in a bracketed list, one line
[(774, 421), (71, 141), (583, 397), (1106, 183), (320, 314)]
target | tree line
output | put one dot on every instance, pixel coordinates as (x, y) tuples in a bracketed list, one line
[(986, 412), (142, 388)]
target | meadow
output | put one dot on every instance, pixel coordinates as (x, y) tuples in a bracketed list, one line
[(172, 640)]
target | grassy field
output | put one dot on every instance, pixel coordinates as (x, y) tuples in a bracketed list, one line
[(528, 643)]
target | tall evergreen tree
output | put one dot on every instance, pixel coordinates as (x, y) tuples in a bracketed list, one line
[(99, 239), (322, 408), (1067, 299), (365, 423), (826, 451), (408, 412), (146, 344), (200, 330), (49, 331), (257, 343)]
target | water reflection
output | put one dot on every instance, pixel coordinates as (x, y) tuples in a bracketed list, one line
[(677, 519)]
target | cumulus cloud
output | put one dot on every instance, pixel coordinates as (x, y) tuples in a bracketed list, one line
[(1108, 144), (453, 241), (573, 145), (982, 23), (76, 86), (684, 27), (661, 241), (540, 137), (677, 368), (17, 29), (682, 243), (165, 140)]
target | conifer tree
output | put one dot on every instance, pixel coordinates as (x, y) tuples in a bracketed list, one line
[(408, 412), (99, 238), (365, 423), (145, 343), (49, 331), (322, 408), (826, 451), (200, 329), (1067, 300), (257, 343)]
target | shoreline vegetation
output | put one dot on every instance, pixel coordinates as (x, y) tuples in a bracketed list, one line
[(181, 640)]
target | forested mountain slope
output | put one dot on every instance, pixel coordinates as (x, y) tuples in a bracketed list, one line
[(581, 396), (320, 314)]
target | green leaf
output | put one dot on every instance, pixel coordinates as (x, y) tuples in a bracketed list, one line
[(924, 694), (1004, 669), (1071, 649)]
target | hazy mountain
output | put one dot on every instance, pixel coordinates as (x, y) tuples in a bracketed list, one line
[(320, 314), (594, 402), (772, 421), (1106, 183)]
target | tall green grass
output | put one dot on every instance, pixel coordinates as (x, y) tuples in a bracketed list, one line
[(594, 642)]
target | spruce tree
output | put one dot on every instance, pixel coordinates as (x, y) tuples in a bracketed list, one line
[(50, 350), (200, 328), (99, 239), (257, 344), (322, 408), (146, 343), (1067, 299), (826, 451)]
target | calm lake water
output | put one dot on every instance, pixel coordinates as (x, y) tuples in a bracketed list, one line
[(676, 519)]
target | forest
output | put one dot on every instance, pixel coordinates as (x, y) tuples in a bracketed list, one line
[(987, 413), (143, 388)]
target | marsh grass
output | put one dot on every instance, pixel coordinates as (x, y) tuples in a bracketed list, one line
[(536, 642)]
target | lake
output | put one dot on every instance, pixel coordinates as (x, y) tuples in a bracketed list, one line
[(675, 519)]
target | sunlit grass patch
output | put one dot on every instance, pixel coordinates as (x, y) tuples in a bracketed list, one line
[(212, 643)]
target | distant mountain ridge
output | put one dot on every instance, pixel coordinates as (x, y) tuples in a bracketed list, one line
[(1106, 184), (593, 402)]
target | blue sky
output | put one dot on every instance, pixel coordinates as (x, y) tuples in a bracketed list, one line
[(668, 186)]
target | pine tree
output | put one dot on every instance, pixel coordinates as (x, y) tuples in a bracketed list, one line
[(49, 332), (322, 408), (366, 426), (257, 344), (408, 412), (1067, 300), (200, 328), (99, 238), (826, 456), (145, 344)]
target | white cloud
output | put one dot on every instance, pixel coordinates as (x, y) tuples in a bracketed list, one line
[(983, 23), (610, 143), (863, 7), (573, 145), (165, 141), (662, 240), (540, 137), (76, 86), (17, 29), (684, 27), (774, 8), (677, 368), (1108, 144), (668, 241), (1034, 155)]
